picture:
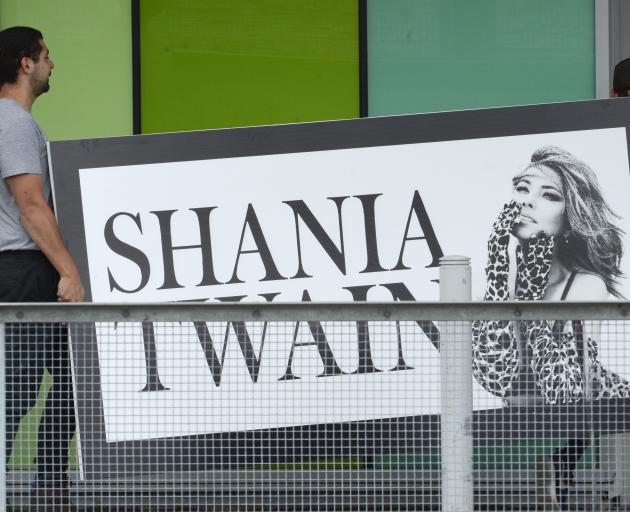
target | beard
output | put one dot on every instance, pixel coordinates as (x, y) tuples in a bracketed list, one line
[(44, 87), (41, 86)]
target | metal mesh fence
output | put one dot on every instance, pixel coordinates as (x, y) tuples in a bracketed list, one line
[(317, 406)]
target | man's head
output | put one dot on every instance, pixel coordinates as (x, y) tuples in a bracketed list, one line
[(621, 79), (24, 59)]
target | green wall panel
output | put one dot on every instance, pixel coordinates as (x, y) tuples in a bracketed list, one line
[(90, 43), (435, 55), (223, 63)]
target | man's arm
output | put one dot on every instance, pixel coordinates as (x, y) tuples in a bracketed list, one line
[(39, 221)]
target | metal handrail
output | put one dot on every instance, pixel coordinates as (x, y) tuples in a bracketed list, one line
[(329, 311), (310, 311)]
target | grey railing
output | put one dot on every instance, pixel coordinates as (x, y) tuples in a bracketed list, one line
[(456, 397)]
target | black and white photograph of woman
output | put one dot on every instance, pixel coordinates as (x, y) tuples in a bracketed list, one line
[(557, 239)]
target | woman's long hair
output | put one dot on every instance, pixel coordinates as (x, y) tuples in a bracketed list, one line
[(594, 243)]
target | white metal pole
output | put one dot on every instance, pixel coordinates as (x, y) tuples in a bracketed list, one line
[(456, 390), (602, 49), (3, 424)]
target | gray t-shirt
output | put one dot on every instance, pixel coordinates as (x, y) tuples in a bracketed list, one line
[(22, 150)]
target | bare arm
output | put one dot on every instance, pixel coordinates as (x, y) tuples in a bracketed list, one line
[(39, 221)]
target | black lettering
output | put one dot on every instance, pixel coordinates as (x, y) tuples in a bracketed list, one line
[(336, 254), (417, 208), (214, 362), (366, 363), (319, 340), (168, 249), (371, 245), (400, 292), (126, 251), (203, 218), (262, 249), (150, 359)]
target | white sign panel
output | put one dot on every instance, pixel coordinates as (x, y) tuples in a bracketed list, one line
[(336, 225)]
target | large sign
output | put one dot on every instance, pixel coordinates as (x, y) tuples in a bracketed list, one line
[(341, 211)]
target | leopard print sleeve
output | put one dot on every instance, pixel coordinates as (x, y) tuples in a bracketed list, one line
[(533, 266), (606, 384), (554, 355), (495, 356), (559, 369), (555, 362), (495, 350)]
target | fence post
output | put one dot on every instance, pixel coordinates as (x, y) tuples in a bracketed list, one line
[(456, 390), (3, 425)]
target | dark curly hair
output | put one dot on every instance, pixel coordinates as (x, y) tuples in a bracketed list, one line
[(15, 44), (621, 78), (594, 243)]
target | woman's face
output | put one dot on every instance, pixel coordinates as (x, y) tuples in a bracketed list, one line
[(540, 193)]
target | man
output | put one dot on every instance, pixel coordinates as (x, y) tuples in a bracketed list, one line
[(621, 79), (35, 265)]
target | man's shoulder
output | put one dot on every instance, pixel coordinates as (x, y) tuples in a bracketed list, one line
[(15, 118), (11, 111)]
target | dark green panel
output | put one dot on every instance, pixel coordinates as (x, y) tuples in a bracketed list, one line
[(434, 55), (221, 63)]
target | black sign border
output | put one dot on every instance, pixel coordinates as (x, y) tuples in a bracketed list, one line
[(219, 451)]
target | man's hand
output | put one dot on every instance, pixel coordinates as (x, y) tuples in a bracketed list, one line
[(70, 289), (39, 221)]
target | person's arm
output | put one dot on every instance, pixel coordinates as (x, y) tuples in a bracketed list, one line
[(555, 359), (558, 361), (495, 356), (40, 223), (606, 384), (495, 350)]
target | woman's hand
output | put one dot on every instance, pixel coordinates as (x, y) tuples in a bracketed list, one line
[(533, 264), (498, 265), (495, 351)]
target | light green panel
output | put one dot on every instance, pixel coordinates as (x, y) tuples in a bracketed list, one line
[(435, 55), (90, 44), (90, 96), (223, 63)]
